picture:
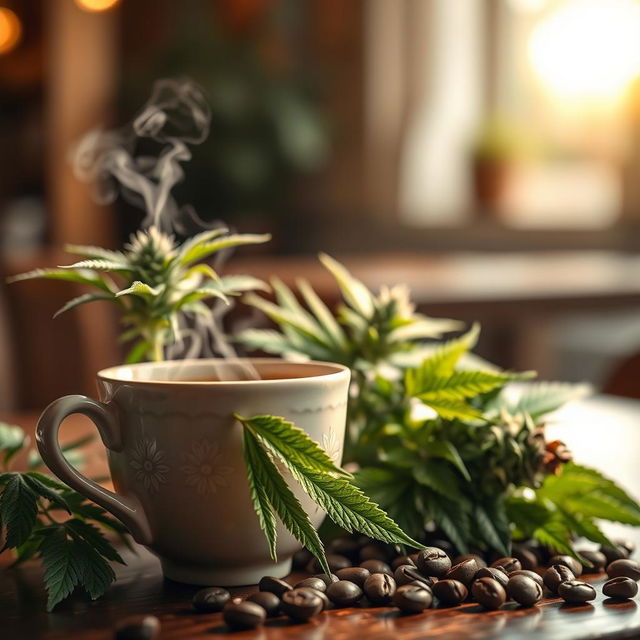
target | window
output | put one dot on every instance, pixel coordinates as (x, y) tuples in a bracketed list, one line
[(517, 110)]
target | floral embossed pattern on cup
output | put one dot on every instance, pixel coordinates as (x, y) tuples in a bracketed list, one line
[(204, 467), (149, 464)]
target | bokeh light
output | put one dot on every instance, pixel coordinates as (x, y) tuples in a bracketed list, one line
[(588, 48), (96, 6), (10, 30)]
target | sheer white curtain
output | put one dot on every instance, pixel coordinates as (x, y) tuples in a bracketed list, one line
[(424, 100)]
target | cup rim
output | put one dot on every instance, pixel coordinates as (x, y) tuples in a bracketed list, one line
[(115, 373)]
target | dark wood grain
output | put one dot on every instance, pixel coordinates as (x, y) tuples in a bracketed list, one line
[(140, 589)]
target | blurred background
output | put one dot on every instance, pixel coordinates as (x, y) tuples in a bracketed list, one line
[(486, 152)]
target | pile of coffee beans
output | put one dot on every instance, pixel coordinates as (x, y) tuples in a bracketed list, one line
[(370, 573)]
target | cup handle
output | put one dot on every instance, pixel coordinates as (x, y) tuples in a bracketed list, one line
[(126, 508)]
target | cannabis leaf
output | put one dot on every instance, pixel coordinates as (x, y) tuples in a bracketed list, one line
[(74, 552), (62, 568), (438, 385), (267, 437), (570, 503), (492, 524), (293, 444), (537, 399), (459, 385), (586, 493), (18, 510), (70, 558), (444, 360), (270, 492)]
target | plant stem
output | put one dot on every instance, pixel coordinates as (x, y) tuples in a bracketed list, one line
[(157, 351)]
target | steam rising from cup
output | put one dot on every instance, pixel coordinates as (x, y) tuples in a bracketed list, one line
[(175, 116)]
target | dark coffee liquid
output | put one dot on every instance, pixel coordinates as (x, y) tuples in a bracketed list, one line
[(285, 375)]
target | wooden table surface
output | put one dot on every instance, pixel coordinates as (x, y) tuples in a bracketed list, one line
[(602, 431), (480, 283)]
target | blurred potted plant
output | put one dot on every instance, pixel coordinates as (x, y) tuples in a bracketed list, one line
[(497, 148), (265, 108)]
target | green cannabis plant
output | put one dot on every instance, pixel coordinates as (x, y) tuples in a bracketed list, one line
[(438, 436), (155, 282)]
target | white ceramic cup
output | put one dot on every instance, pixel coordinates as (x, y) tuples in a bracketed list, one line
[(175, 455)]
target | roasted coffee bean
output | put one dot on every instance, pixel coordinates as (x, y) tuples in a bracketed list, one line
[(524, 590), (464, 572), (273, 585), (480, 561), (400, 560), (617, 552), (489, 593), (621, 588), (138, 628), (508, 564), (568, 561), (423, 582), (412, 599), (210, 599), (374, 552), (450, 592), (301, 604), (301, 559), (497, 573), (555, 575), (354, 574), (243, 614), (576, 591), (527, 558), (596, 558), (326, 603), (624, 567), (334, 560), (530, 574), (312, 583), (379, 588), (628, 545), (345, 546), (532, 546), (407, 573), (268, 601), (327, 579), (344, 593), (376, 566), (433, 561)]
